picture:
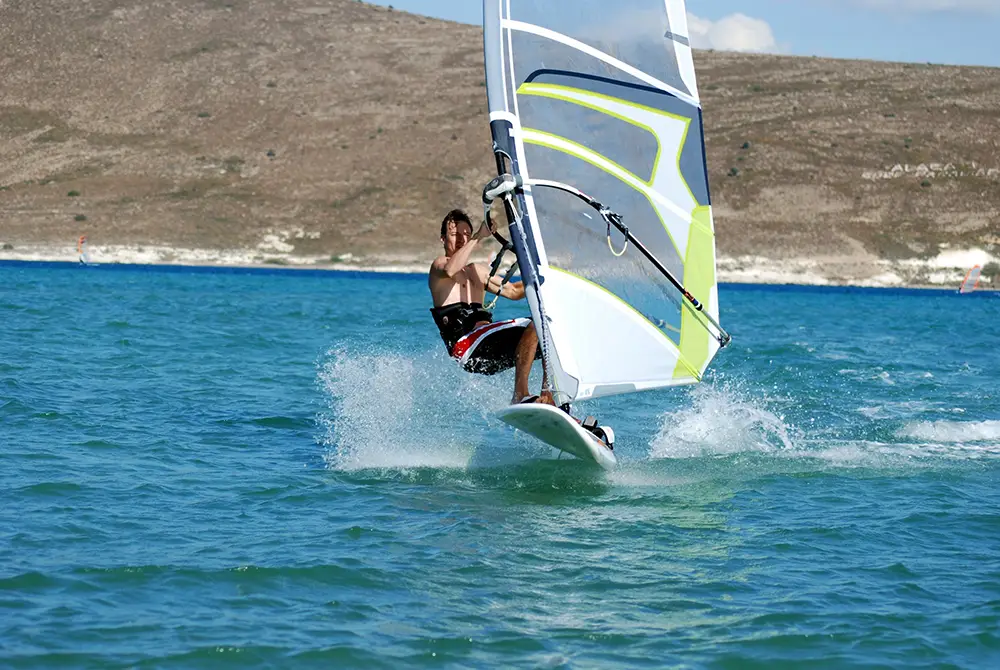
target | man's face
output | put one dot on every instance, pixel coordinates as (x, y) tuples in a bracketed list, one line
[(456, 237)]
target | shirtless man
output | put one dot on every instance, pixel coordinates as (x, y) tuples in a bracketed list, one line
[(458, 288)]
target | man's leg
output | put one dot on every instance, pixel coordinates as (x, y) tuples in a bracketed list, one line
[(527, 347), (545, 395), (525, 356)]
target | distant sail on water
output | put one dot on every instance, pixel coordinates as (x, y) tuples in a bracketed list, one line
[(971, 281), (81, 250), (602, 97)]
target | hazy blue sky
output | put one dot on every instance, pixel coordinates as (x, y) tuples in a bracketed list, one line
[(963, 32)]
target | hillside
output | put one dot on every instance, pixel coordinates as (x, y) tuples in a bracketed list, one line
[(294, 130)]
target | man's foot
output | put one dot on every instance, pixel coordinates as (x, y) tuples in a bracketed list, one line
[(545, 398), (603, 433)]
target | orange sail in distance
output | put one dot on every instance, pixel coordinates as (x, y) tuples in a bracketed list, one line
[(81, 250), (971, 281)]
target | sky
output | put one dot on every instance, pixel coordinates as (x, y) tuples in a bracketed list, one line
[(955, 32)]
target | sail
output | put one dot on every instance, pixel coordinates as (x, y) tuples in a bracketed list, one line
[(602, 96), (971, 281), (81, 250)]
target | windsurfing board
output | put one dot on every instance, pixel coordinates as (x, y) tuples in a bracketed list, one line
[(558, 429)]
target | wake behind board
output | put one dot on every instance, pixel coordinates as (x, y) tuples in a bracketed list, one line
[(558, 429)]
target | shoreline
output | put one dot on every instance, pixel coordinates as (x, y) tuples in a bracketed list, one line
[(943, 272), (363, 273)]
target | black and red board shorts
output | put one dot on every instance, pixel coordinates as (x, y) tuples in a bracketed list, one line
[(486, 348)]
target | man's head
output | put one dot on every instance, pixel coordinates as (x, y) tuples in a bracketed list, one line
[(456, 229)]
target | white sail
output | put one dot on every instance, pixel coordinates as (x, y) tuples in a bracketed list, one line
[(602, 96)]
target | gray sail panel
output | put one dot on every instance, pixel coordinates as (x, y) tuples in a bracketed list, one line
[(576, 239), (692, 160), (633, 31), (632, 147)]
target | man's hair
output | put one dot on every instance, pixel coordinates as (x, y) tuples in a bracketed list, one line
[(456, 215)]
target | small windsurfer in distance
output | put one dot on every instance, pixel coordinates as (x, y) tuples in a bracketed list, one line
[(81, 250), (458, 288)]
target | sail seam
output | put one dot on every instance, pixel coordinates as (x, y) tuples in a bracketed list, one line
[(510, 56), (503, 58)]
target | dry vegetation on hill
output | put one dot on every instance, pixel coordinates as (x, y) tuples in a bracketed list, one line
[(340, 127)]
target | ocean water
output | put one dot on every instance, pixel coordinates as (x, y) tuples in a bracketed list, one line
[(209, 469)]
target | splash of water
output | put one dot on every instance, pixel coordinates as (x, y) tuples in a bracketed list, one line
[(968, 438), (721, 420), (953, 431), (392, 411)]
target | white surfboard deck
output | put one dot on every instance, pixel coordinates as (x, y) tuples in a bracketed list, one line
[(558, 429)]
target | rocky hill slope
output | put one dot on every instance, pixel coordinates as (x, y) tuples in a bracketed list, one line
[(295, 130)]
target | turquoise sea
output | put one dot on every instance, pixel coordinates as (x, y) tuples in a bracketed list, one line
[(279, 469)]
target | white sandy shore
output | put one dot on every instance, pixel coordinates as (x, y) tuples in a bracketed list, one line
[(946, 270)]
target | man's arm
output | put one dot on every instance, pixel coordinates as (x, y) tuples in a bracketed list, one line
[(457, 263), (460, 260), (512, 291)]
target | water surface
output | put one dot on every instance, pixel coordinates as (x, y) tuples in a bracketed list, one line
[(285, 470)]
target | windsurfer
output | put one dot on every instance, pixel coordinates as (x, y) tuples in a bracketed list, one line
[(81, 250), (458, 288)]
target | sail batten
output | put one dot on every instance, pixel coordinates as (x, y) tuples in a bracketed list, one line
[(602, 97)]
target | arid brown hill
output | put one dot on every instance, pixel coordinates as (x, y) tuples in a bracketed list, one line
[(216, 123)]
